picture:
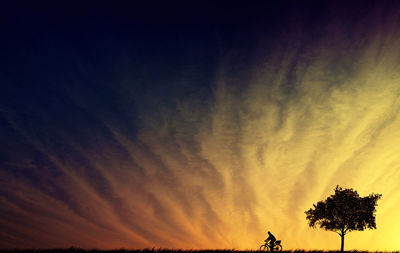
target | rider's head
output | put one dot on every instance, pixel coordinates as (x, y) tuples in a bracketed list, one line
[(269, 232)]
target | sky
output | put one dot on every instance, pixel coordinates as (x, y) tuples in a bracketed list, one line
[(197, 124)]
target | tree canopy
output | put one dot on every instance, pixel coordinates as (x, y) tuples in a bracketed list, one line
[(343, 212)]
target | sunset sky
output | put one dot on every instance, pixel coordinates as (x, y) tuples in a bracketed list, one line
[(196, 124)]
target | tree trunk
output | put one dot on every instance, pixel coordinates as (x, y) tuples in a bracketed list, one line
[(342, 244)]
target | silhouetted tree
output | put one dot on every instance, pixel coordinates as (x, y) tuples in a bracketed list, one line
[(344, 212)]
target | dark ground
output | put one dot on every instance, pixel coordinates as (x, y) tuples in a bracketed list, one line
[(78, 250)]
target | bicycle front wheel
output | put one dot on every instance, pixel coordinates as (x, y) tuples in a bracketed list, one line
[(278, 248), (263, 247)]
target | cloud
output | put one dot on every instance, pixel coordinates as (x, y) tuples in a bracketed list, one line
[(184, 161)]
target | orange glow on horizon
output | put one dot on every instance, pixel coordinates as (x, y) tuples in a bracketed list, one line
[(220, 170)]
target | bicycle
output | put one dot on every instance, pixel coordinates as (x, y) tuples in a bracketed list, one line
[(266, 247)]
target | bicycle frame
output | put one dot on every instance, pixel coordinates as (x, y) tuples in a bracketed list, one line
[(276, 247)]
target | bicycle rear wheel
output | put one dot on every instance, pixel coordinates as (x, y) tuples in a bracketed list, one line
[(263, 247)]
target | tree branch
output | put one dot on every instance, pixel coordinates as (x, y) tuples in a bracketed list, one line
[(337, 232)]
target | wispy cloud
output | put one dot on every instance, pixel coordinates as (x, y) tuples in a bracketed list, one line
[(215, 164)]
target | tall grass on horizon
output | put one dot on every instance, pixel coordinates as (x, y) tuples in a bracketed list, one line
[(79, 250)]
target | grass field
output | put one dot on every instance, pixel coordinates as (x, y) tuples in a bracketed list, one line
[(78, 250)]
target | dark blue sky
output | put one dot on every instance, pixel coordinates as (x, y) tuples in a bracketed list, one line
[(51, 50), (115, 116)]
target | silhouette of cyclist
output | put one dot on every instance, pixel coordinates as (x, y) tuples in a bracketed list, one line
[(271, 240)]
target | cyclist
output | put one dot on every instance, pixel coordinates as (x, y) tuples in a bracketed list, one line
[(271, 240)]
